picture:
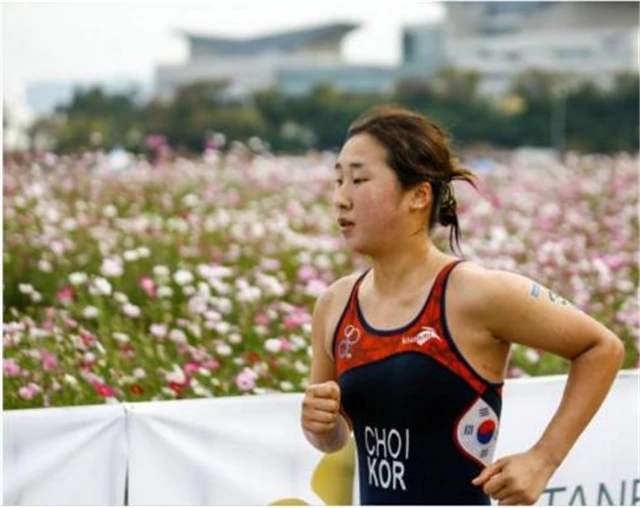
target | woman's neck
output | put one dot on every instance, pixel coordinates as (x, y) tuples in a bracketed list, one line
[(406, 269)]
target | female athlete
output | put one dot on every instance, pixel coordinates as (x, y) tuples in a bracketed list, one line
[(411, 354)]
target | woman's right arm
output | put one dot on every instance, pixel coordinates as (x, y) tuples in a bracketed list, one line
[(322, 423)]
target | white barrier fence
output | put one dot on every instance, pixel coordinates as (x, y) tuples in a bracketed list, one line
[(250, 450)]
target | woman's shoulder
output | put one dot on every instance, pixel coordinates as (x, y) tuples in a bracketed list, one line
[(339, 291), (468, 281), (475, 289)]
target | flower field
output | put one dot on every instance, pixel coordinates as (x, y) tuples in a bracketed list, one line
[(197, 278)]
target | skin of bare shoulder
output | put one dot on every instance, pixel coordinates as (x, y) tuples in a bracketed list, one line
[(468, 282), (517, 309)]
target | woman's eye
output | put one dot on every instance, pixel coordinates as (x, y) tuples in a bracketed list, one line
[(338, 182), (358, 180)]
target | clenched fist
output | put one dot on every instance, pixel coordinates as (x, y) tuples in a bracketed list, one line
[(320, 407)]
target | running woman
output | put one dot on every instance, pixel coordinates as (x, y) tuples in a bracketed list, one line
[(411, 353)]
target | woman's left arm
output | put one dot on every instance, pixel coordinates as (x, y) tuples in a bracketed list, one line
[(516, 309)]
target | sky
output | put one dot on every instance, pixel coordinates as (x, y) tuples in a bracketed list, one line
[(107, 40)]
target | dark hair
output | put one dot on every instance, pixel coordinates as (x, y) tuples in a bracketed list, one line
[(418, 150)]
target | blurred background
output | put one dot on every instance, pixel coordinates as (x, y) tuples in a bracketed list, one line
[(544, 74), (167, 223)]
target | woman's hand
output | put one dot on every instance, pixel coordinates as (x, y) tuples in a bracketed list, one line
[(517, 479)]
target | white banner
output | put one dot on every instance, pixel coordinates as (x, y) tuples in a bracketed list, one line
[(250, 450), (233, 450), (64, 456), (603, 467)]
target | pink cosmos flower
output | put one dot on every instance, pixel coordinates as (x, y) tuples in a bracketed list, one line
[(306, 273), (29, 391), (190, 367), (158, 330), (211, 364), (155, 141), (66, 295), (262, 319), (246, 380), (71, 323), (87, 337), (285, 345), (614, 261), (148, 285), (297, 318), (11, 368), (104, 390), (48, 359)]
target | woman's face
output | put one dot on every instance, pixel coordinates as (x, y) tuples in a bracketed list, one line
[(368, 194)]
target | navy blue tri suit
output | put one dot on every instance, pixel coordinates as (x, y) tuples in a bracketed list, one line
[(425, 422)]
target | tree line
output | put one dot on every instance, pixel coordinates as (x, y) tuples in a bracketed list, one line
[(536, 111)]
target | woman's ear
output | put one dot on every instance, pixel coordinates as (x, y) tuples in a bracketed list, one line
[(420, 197)]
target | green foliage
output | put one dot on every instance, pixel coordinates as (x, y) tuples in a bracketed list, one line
[(596, 120)]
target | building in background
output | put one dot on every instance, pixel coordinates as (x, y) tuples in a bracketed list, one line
[(293, 60), (423, 49), (581, 40)]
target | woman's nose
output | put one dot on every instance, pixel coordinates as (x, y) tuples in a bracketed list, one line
[(342, 198)]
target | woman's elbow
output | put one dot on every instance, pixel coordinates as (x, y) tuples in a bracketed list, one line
[(613, 348)]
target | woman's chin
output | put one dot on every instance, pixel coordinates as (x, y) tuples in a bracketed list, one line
[(356, 247)]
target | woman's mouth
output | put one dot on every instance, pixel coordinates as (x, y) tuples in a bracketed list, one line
[(345, 225)]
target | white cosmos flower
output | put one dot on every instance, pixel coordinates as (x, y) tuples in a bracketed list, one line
[(69, 224), (323, 262), (197, 304), (224, 305), (90, 312), (158, 330), (110, 211), (133, 311), (286, 386), (45, 266), (223, 349), (123, 338), (25, 288), (130, 255), (178, 336), (204, 289), (139, 373), (272, 345), (301, 367), (183, 277), (165, 292), (120, 297), (532, 355), (235, 338), (177, 375), (160, 271), (102, 285), (112, 267), (77, 278), (144, 252), (223, 327), (190, 200), (212, 315), (249, 294)]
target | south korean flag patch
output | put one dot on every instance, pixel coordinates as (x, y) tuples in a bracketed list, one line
[(477, 431)]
